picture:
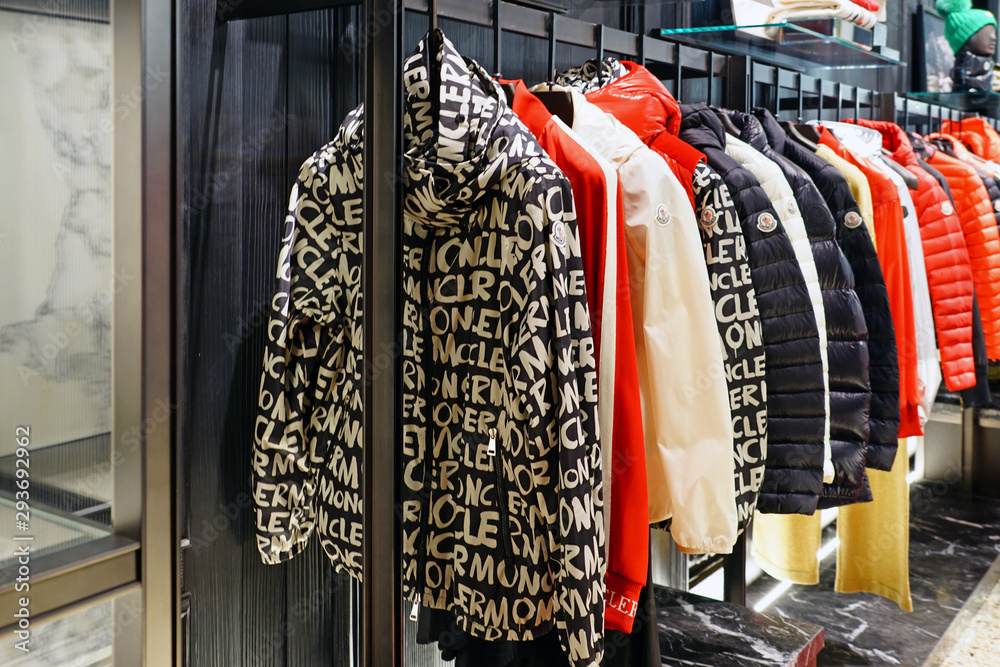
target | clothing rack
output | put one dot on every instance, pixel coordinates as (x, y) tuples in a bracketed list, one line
[(739, 80)]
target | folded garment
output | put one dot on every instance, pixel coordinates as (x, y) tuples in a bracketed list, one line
[(807, 9), (870, 5)]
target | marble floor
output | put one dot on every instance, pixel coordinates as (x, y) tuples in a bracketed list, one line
[(952, 547)]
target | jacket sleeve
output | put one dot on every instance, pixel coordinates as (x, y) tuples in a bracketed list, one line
[(284, 460), (559, 415), (689, 451)]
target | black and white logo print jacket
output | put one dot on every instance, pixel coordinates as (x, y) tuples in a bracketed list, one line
[(502, 499)]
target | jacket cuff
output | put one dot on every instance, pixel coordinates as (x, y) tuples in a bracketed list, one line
[(621, 600), (716, 546)]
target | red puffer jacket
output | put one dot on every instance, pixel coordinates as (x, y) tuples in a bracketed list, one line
[(644, 106), (981, 238), (949, 273), (977, 134)]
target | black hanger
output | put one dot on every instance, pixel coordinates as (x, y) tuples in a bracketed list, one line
[(508, 90), (727, 123), (559, 103), (910, 178), (793, 132)]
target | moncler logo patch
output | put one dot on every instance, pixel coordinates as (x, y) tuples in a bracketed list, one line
[(996, 205), (766, 222), (853, 220), (662, 216), (791, 208), (559, 233), (947, 208), (708, 218)]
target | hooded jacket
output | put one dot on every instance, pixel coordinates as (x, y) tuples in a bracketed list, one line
[(977, 134), (847, 333), (780, 194), (501, 508), (891, 248), (796, 414), (630, 93), (685, 409), (596, 195), (949, 274), (982, 239)]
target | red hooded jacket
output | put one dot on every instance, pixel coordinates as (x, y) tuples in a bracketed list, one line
[(644, 106), (982, 239), (891, 248), (977, 134), (628, 529), (949, 273)]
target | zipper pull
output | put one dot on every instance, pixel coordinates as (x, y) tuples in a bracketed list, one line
[(415, 609), (492, 448)]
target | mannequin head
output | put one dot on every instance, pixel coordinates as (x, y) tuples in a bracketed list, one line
[(967, 29), (983, 42)]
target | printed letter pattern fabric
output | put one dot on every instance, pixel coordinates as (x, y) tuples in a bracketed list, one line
[(740, 328), (687, 423), (502, 507)]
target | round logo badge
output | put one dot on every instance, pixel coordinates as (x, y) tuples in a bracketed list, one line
[(996, 205), (662, 216), (853, 220), (708, 218), (791, 207), (559, 233), (766, 222), (947, 208)]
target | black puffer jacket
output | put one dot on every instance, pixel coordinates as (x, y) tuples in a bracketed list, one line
[(796, 405), (846, 332), (869, 283)]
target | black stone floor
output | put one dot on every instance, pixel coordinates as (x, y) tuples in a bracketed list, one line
[(953, 542)]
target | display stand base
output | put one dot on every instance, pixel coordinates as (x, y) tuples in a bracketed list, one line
[(695, 630)]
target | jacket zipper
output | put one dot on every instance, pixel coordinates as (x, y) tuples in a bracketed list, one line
[(494, 452)]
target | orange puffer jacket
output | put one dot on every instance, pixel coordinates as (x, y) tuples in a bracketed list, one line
[(981, 238), (949, 273), (977, 134)]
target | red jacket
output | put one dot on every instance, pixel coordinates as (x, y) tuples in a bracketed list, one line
[(977, 134), (890, 244), (949, 273), (982, 239), (627, 502), (644, 106)]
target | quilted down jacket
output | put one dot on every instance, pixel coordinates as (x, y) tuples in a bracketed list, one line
[(977, 134), (857, 246), (847, 333), (780, 194), (796, 414), (630, 93), (891, 247), (982, 239), (949, 274)]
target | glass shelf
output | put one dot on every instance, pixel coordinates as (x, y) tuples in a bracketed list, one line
[(982, 101), (806, 44)]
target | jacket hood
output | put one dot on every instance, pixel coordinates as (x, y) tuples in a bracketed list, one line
[(699, 121), (453, 151), (923, 149), (980, 136), (894, 140), (957, 147), (751, 131)]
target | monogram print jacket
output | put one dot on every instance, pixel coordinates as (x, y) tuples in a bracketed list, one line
[(502, 499)]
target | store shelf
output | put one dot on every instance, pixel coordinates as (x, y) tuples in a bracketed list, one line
[(979, 101), (805, 44)]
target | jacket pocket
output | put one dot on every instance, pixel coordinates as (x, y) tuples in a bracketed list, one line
[(495, 452)]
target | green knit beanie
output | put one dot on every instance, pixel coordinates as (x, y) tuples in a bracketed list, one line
[(961, 21)]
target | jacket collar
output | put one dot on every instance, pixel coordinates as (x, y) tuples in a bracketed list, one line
[(751, 131), (589, 76), (862, 141), (701, 128), (451, 112), (893, 140)]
